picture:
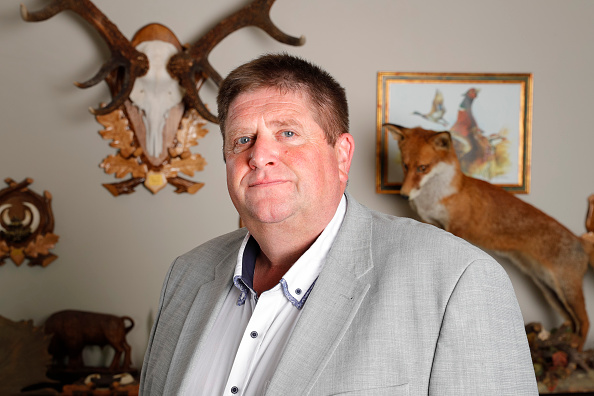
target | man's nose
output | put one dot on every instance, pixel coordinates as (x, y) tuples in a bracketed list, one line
[(263, 152)]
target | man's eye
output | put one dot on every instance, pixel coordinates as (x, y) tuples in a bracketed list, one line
[(289, 133), (243, 140)]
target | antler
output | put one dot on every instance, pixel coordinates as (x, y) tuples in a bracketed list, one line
[(186, 65), (123, 54)]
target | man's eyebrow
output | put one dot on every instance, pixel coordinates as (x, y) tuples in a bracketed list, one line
[(284, 122)]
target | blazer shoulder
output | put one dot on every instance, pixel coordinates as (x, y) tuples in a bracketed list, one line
[(216, 247), (409, 233), (201, 262)]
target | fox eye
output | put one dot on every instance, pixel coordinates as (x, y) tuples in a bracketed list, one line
[(421, 168), (405, 167)]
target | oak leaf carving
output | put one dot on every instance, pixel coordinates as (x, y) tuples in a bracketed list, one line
[(41, 245), (188, 166), (118, 129), (192, 127), (4, 249), (121, 166)]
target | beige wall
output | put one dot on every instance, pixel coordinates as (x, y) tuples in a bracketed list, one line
[(114, 252)]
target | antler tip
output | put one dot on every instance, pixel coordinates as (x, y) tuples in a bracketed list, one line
[(24, 12), (302, 40)]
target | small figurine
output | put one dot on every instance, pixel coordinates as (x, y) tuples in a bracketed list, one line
[(74, 330)]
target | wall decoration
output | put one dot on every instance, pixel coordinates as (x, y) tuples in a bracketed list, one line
[(23, 356), (156, 113), (26, 225), (74, 330), (488, 116)]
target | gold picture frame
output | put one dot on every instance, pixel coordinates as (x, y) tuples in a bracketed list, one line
[(497, 106)]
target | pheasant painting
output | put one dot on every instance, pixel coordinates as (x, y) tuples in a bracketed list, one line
[(480, 155)]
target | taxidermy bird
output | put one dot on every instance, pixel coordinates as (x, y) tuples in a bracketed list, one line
[(437, 110)]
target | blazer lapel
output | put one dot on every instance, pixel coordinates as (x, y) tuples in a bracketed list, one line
[(201, 315), (330, 308)]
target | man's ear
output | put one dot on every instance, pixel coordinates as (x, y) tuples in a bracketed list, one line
[(345, 147)]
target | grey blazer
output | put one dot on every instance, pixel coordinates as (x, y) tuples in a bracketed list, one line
[(400, 308)]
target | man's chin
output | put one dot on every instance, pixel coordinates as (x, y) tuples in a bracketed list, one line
[(275, 216)]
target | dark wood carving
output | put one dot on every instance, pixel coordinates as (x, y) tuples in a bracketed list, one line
[(24, 358), (74, 330), (26, 225), (155, 83)]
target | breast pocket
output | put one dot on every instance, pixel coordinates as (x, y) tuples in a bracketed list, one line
[(397, 390)]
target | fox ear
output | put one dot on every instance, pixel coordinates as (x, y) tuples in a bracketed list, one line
[(442, 140), (397, 132)]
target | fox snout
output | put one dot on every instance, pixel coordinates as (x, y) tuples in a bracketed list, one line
[(408, 187)]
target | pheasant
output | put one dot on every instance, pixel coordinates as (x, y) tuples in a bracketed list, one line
[(437, 110)]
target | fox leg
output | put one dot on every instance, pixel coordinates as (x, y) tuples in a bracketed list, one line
[(574, 297), (565, 294)]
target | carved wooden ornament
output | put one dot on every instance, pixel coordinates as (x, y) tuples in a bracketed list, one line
[(24, 356), (156, 113), (26, 225)]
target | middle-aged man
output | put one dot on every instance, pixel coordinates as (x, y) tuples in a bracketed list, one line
[(320, 295)]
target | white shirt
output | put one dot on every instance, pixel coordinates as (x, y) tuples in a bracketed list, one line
[(250, 333)]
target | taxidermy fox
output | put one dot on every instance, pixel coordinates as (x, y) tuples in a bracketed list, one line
[(495, 220)]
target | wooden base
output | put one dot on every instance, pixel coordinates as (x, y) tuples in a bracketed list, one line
[(578, 383)]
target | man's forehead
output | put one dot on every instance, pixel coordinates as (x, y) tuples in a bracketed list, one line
[(279, 108), (271, 91)]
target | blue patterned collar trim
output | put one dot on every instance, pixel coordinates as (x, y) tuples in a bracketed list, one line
[(297, 303), (244, 282), (243, 288)]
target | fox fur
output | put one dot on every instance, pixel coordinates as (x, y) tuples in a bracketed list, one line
[(495, 220)]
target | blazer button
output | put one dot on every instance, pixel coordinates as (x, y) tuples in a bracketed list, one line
[(234, 390), (254, 334)]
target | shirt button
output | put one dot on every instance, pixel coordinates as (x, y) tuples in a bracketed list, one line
[(234, 390), (254, 334), (298, 291)]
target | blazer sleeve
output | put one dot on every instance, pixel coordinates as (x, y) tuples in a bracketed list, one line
[(482, 347), (148, 364)]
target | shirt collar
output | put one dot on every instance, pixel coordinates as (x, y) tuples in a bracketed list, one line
[(299, 280)]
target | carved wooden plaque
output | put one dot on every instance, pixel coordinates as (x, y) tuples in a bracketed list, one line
[(26, 225)]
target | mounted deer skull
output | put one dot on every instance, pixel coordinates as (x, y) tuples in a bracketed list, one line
[(155, 83)]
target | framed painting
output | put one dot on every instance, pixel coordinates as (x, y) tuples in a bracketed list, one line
[(489, 117)]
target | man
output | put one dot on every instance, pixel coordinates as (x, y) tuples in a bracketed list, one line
[(321, 295)]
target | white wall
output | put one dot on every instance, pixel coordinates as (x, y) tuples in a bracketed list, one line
[(114, 252)]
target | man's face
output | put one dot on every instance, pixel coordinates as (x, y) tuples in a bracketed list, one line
[(279, 165)]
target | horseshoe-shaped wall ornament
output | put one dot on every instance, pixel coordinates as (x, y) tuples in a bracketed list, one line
[(26, 225), (156, 113)]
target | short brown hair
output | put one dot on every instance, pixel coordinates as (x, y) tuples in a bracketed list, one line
[(289, 73)]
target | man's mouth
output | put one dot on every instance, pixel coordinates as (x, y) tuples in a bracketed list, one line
[(267, 183)]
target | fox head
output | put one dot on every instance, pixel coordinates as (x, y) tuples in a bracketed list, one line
[(425, 155)]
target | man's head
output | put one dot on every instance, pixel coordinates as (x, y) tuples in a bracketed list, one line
[(288, 73), (283, 167)]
